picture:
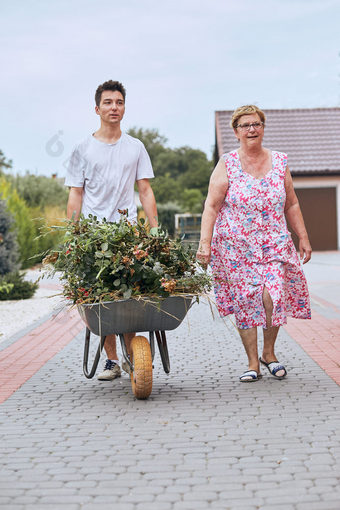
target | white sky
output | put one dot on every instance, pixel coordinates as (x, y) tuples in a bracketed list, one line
[(180, 60)]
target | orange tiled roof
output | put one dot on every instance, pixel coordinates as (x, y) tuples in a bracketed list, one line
[(310, 137)]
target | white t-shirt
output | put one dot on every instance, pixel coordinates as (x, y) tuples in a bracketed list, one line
[(108, 172)]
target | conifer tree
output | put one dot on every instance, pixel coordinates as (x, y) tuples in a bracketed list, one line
[(9, 250)]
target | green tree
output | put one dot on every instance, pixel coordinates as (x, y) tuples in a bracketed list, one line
[(166, 189), (197, 170), (177, 171), (192, 201), (153, 141), (4, 163)]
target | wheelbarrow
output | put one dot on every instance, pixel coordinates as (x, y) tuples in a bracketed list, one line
[(154, 315)]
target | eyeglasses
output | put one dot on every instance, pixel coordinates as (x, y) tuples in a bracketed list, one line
[(246, 127)]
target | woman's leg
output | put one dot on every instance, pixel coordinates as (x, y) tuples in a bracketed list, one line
[(249, 340), (270, 333)]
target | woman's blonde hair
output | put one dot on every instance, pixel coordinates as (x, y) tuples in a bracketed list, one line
[(246, 110)]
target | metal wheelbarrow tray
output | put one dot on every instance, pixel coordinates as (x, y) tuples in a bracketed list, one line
[(155, 315)]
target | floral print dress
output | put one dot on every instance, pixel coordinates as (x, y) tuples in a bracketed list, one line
[(252, 249)]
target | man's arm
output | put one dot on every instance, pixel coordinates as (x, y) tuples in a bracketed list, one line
[(75, 200), (148, 201)]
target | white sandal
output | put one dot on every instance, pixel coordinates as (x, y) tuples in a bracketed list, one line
[(250, 376), (274, 367)]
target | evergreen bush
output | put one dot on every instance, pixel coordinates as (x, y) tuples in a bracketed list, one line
[(26, 231), (9, 249), (13, 286)]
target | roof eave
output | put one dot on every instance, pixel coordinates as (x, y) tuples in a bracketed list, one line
[(317, 173)]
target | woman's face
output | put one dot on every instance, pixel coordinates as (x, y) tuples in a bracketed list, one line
[(250, 130)]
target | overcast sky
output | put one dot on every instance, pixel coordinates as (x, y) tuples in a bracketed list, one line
[(180, 60)]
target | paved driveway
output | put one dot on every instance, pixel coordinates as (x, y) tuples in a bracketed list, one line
[(201, 441)]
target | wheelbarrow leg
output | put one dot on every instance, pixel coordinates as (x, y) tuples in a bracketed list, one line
[(163, 350), (124, 351), (152, 343), (90, 374)]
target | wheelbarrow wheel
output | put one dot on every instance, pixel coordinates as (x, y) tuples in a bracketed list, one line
[(141, 374)]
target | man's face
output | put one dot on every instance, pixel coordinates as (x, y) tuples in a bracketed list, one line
[(111, 108)]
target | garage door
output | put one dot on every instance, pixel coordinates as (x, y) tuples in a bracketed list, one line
[(318, 207)]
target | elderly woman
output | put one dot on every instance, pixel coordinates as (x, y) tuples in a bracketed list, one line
[(257, 272)]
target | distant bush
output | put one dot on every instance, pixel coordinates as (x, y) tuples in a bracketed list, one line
[(9, 249), (13, 286)]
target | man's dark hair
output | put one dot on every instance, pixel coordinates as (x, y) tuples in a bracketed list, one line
[(109, 85)]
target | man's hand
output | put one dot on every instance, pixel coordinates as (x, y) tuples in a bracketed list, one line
[(154, 231)]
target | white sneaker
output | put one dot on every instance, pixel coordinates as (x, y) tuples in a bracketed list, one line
[(110, 372)]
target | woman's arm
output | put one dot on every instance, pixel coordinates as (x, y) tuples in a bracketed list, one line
[(294, 216), (218, 186)]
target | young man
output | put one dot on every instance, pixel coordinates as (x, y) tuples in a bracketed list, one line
[(101, 174)]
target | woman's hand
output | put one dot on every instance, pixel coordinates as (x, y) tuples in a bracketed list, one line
[(203, 253), (305, 250)]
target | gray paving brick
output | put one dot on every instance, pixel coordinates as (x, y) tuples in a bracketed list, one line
[(238, 494), (120, 506), (138, 498), (117, 492), (318, 505), (61, 500), (332, 495), (190, 505), (53, 506), (169, 497), (11, 492), (244, 504), (12, 506), (326, 481), (278, 506), (25, 500), (160, 506), (5, 500)]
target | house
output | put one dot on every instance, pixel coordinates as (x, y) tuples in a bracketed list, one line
[(311, 138)]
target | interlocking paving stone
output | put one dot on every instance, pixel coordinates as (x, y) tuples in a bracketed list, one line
[(202, 440)]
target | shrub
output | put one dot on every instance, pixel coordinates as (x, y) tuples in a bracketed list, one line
[(13, 286), (9, 253), (47, 237)]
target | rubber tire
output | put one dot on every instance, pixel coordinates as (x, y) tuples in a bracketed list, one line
[(141, 375)]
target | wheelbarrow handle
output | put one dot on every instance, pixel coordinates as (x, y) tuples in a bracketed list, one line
[(90, 374)]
